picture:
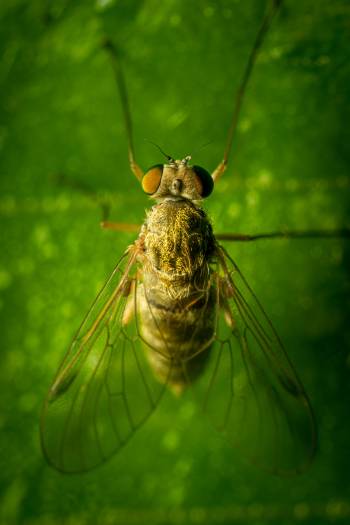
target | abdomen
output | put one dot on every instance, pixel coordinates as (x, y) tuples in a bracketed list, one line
[(177, 335)]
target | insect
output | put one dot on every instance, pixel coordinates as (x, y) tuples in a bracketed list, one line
[(177, 313)]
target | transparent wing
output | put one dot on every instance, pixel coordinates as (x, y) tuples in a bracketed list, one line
[(251, 391), (104, 389)]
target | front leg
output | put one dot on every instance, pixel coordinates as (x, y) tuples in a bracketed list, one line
[(226, 292)]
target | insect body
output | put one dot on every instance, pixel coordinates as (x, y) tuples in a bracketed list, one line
[(177, 312), (177, 294)]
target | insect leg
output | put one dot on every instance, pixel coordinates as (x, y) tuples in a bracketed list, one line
[(63, 180), (129, 309), (262, 31), (120, 226), (112, 51), (226, 292), (105, 206), (341, 233)]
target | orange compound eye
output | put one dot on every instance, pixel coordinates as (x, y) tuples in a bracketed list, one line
[(205, 181), (151, 179)]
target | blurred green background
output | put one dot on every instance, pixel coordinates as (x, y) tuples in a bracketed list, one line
[(60, 113)]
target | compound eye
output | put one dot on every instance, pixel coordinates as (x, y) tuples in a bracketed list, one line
[(204, 180), (151, 179)]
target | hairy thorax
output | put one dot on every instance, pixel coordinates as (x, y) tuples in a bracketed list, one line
[(178, 239)]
